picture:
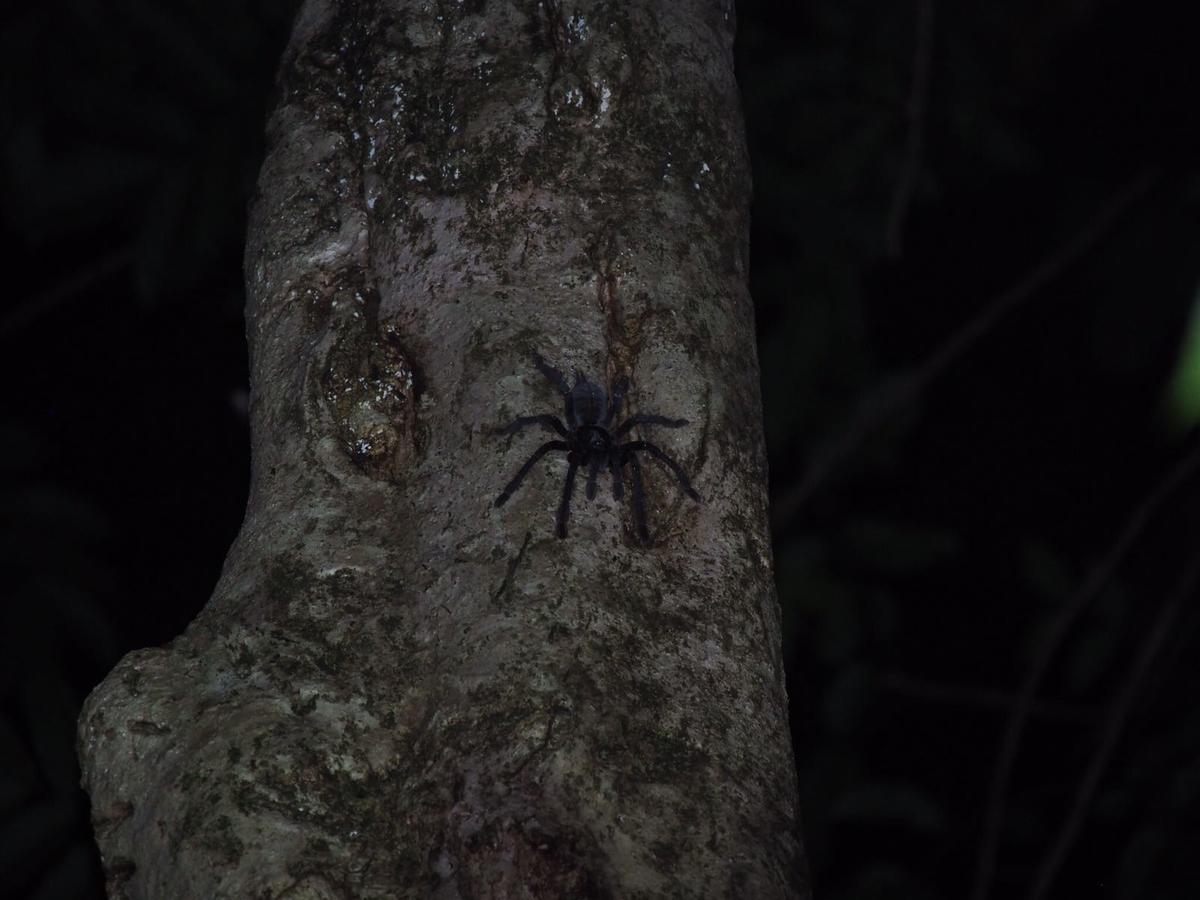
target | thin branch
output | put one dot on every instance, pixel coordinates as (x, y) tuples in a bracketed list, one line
[(897, 391), (966, 695), (1042, 274), (1096, 581), (1118, 717), (915, 141), (34, 308)]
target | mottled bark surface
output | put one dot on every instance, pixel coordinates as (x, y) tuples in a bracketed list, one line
[(398, 690)]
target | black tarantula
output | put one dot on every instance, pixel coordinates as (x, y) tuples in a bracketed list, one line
[(589, 442)]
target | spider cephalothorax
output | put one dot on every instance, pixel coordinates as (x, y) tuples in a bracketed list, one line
[(591, 442)]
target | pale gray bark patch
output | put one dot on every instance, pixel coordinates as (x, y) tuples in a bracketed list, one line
[(398, 690)]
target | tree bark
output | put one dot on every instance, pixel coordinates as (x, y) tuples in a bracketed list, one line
[(397, 689)]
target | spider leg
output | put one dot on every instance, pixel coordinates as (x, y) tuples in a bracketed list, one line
[(554, 375), (560, 383), (547, 421), (639, 499), (648, 419), (529, 464), (564, 507), (618, 475), (658, 454), (593, 474), (618, 395)]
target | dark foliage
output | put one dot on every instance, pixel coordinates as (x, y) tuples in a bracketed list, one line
[(132, 133), (945, 478), (954, 473)]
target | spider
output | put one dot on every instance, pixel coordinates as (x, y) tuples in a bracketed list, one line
[(590, 441)]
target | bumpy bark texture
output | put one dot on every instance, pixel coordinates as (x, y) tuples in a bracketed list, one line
[(398, 690)]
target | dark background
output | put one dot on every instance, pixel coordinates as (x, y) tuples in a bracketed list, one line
[(955, 468)]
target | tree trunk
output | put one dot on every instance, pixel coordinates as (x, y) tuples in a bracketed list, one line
[(399, 689)]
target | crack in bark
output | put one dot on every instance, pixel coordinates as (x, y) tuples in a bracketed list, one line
[(619, 354), (513, 564), (370, 384), (702, 446), (540, 748), (555, 29)]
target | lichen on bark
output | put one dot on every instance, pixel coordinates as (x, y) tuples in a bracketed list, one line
[(398, 690)]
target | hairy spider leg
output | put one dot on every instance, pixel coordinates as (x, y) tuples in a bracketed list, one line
[(618, 475), (564, 507), (648, 419), (633, 446), (554, 375), (529, 464), (556, 378), (593, 473), (546, 420), (618, 395), (639, 499)]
